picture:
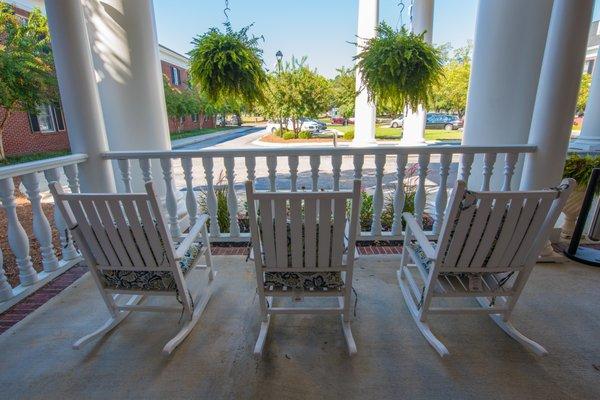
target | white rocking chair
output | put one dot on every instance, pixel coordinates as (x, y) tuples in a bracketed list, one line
[(487, 247), (306, 252), (130, 254)]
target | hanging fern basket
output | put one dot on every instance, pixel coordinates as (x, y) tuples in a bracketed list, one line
[(399, 68), (228, 66)]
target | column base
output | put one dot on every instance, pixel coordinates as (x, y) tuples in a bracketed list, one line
[(412, 142), (363, 142)]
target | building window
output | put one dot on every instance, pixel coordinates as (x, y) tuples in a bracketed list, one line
[(181, 120), (48, 118), (175, 76), (590, 66), (194, 117)]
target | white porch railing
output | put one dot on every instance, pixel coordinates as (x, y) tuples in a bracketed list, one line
[(315, 168), (18, 240)]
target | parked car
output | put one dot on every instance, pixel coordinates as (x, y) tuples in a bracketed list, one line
[(342, 121), (272, 126), (397, 122), (322, 125), (443, 121), (305, 125)]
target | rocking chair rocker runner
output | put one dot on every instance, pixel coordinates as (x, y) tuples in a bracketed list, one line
[(306, 253), (487, 247), (131, 255)]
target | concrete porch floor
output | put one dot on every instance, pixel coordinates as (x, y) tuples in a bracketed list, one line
[(305, 356)]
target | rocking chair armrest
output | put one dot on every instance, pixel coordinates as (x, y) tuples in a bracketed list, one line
[(195, 230), (417, 233)]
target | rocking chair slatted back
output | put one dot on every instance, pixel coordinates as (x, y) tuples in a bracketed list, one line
[(122, 232), (494, 230), (311, 236)]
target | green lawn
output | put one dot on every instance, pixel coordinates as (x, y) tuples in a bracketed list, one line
[(384, 132), (198, 132), (10, 160)]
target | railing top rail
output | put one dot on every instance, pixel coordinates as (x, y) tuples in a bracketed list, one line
[(11, 171), (321, 151)]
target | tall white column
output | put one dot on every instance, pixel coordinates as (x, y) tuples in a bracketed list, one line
[(510, 37), (557, 93), (364, 110), (79, 93), (589, 139), (126, 56), (413, 130)]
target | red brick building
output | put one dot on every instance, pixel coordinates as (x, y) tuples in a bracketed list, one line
[(45, 130)]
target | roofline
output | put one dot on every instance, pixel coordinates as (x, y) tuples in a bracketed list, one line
[(174, 52)]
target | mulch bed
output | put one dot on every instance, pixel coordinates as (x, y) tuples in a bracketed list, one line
[(25, 217)]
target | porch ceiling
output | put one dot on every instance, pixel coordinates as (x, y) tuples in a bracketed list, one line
[(305, 356)]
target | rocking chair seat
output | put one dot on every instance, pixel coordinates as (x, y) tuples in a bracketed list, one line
[(150, 280), (304, 280)]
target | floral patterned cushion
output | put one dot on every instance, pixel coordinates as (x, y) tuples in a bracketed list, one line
[(304, 280), (150, 280)]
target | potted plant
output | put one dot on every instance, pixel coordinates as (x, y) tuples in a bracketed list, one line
[(579, 168), (399, 68), (227, 66)]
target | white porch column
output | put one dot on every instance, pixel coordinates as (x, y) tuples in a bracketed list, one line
[(126, 56), (557, 93), (79, 94), (510, 36), (364, 110), (589, 139), (413, 130)]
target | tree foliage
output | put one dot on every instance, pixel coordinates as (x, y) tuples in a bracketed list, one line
[(184, 102), (228, 66), (398, 67), (26, 66), (295, 92), (450, 93), (343, 88), (584, 92)]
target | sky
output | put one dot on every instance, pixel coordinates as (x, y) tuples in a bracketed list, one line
[(318, 29)]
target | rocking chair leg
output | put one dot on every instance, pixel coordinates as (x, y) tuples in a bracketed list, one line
[(423, 326), (189, 325), (349, 338), (508, 327), (262, 337), (108, 325)]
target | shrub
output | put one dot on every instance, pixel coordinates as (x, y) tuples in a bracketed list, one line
[(305, 135), (289, 135), (279, 132), (580, 168), (349, 135)]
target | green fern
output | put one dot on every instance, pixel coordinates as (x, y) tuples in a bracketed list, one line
[(399, 68)]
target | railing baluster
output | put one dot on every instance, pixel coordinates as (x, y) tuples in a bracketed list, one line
[(272, 167), (442, 195), (421, 195), (69, 252), (17, 237), (293, 164), (170, 200), (72, 173), (358, 161), (336, 165), (234, 227), (378, 195), (509, 169), (250, 167), (315, 162), (466, 162), (190, 198), (399, 195), (40, 224), (488, 169), (125, 174), (146, 169), (6, 291), (211, 197)]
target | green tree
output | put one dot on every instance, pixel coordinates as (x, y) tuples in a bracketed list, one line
[(343, 88), (584, 92), (450, 94), (295, 92), (26, 66)]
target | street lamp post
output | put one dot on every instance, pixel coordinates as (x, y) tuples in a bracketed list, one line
[(279, 56)]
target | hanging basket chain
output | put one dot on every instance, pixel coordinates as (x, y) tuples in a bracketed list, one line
[(226, 10)]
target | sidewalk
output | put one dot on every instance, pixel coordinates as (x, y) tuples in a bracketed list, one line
[(179, 143)]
